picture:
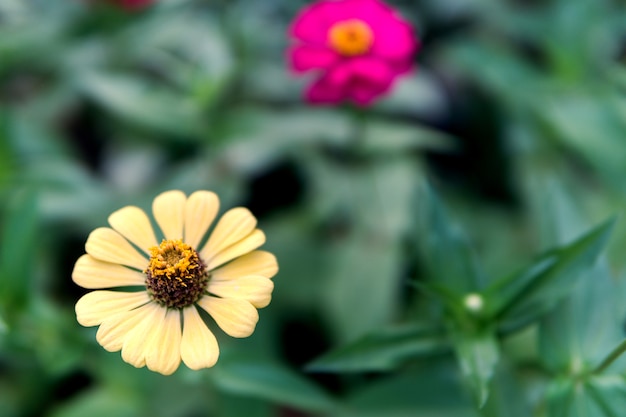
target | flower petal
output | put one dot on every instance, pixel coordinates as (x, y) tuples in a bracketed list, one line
[(92, 273), (168, 209), (234, 225), (113, 331), (312, 23), (163, 353), (237, 318), (200, 211), (257, 262), (307, 57), (141, 339), (199, 348), (133, 223), (95, 307), (250, 243), (254, 288), (322, 91), (107, 245), (394, 39)]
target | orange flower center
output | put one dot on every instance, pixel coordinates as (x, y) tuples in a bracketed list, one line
[(351, 37), (175, 277)]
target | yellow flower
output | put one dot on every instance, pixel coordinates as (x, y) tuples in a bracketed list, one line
[(152, 314)]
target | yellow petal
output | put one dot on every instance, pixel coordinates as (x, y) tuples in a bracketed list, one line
[(109, 246), (234, 225), (92, 273), (133, 223), (163, 351), (200, 211), (254, 288), (199, 347), (139, 340), (242, 247), (113, 331), (169, 212), (237, 318), (97, 306), (257, 262)]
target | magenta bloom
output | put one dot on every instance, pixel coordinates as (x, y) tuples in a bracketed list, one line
[(358, 47)]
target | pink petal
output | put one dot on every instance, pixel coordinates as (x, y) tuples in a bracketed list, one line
[(401, 67), (360, 80), (305, 57), (322, 91), (394, 40), (375, 71), (314, 21), (364, 93)]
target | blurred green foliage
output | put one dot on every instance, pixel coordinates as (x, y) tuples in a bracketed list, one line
[(451, 251)]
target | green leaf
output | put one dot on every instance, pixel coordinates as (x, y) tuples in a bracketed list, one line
[(478, 354), (270, 381), (602, 397), (444, 249), (148, 106), (18, 246), (580, 332), (522, 297), (432, 390), (592, 124), (506, 396), (609, 391), (383, 350), (100, 402)]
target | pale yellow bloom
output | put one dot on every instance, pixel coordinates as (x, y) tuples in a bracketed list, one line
[(152, 315)]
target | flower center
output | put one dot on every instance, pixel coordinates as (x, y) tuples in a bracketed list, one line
[(175, 277), (351, 37)]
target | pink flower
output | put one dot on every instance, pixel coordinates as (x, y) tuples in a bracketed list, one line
[(358, 47)]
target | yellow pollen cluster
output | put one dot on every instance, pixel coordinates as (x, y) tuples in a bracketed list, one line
[(176, 277), (351, 37), (173, 259)]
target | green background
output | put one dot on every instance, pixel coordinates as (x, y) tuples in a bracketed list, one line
[(495, 169)]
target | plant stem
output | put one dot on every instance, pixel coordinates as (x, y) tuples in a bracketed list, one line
[(358, 117), (615, 353)]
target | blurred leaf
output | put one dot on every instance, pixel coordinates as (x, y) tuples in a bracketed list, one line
[(18, 246), (362, 291), (478, 354), (513, 79), (522, 297), (430, 391), (592, 123), (30, 42), (100, 402), (149, 106), (420, 94), (392, 136), (609, 391), (7, 164), (579, 333), (257, 136), (445, 251), (270, 381), (599, 397), (560, 215), (506, 395), (382, 350), (367, 209)]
